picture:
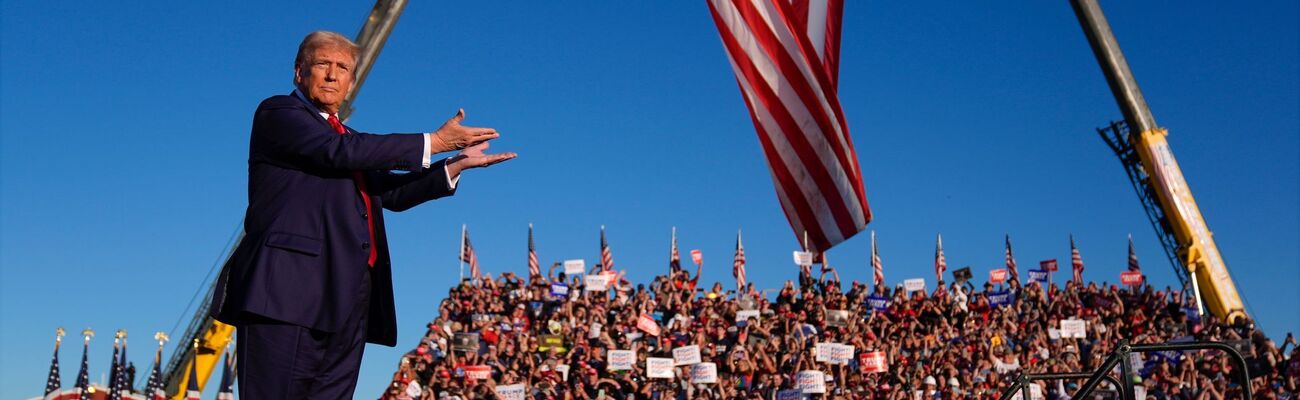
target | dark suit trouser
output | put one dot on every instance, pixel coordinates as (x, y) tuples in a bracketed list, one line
[(278, 360)]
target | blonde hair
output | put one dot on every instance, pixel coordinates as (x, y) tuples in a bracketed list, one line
[(319, 39)]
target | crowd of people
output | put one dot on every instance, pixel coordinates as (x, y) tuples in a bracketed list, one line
[(952, 342)]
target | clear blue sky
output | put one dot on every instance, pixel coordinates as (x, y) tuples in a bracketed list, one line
[(125, 131)]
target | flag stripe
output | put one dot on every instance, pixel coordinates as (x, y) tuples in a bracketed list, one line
[(799, 123), (780, 46), (780, 110)]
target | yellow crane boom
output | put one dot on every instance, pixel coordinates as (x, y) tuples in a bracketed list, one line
[(1143, 148), (212, 335)]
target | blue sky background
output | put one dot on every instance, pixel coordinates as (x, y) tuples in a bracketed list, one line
[(125, 131)]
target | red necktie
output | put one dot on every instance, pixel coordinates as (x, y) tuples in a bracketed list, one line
[(365, 197)]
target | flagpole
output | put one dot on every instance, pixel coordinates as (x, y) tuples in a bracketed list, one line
[(460, 254)]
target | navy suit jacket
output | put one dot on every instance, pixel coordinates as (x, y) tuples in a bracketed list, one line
[(306, 239)]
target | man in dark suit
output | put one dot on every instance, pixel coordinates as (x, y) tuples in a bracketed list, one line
[(311, 281)]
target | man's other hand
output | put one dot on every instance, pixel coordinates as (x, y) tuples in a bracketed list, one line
[(473, 157), (454, 136)]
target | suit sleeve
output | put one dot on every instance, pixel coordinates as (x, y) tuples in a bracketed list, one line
[(400, 192), (287, 133)]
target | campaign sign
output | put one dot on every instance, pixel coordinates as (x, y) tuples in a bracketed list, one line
[(1000, 299), (811, 381), (914, 284), (842, 354), (873, 361), (697, 257), (998, 276), (511, 392), (1074, 328), (1048, 265), (837, 318), (551, 342), (1038, 275), (878, 302), (745, 315), (477, 372), (659, 368), (647, 324), (466, 342), (686, 355), (597, 283), (803, 259), (617, 360), (822, 351), (594, 331), (704, 373), (575, 267), (789, 394), (1130, 278), (559, 290)]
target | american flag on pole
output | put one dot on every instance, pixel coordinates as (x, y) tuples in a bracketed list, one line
[(606, 257), (153, 389), (1133, 257), (53, 382), (738, 265), (674, 257), (467, 255), (227, 391), (785, 55), (1076, 261), (83, 376), (1011, 262), (878, 276), (192, 390), (114, 371), (940, 263), (534, 266)]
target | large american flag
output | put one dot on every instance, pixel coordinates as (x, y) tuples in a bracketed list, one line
[(1076, 261), (534, 266), (1133, 257), (606, 257), (738, 265), (53, 382), (785, 55), (674, 257), (878, 268), (467, 255), (1011, 262), (227, 391), (940, 263)]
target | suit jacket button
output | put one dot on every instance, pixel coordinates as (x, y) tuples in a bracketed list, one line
[(365, 215), (365, 246)]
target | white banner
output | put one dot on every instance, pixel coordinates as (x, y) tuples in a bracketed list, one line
[(575, 267), (1074, 328), (686, 355), (597, 283), (915, 284), (704, 373), (744, 315), (658, 368), (617, 360), (511, 392), (811, 381), (803, 258)]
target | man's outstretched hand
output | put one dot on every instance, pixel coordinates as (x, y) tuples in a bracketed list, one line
[(474, 157), (454, 136)]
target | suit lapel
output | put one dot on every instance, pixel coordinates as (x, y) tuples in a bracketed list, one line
[(312, 110)]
